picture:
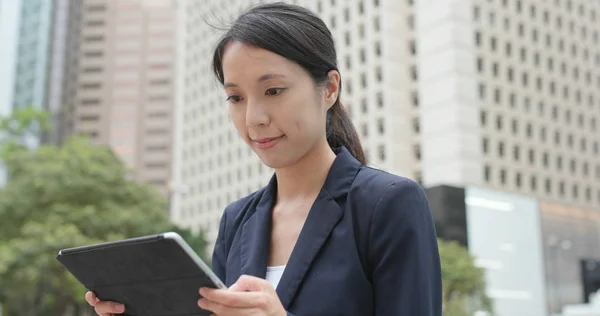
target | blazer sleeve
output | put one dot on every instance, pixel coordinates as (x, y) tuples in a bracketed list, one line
[(403, 253), (219, 257)]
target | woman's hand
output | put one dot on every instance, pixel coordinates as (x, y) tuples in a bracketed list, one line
[(248, 296), (104, 308)]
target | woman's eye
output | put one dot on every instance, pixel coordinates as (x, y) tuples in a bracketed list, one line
[(234, 98), (274, 91)]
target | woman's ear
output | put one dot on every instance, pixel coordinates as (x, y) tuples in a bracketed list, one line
[(332, 90)]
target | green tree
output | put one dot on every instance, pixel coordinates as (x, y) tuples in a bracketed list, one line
[(463, 282), (59, 197)]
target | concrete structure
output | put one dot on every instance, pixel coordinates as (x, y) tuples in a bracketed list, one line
[(123, 87), (499, 94), (214, 167), (510, 96)]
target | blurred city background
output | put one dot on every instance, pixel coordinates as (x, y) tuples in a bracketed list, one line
[(113, 126)]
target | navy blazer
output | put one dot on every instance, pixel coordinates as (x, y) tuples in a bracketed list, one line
[(368, 246)]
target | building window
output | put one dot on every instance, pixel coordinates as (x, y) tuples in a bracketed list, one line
[(533, 183), (380, 126), (97, 8), (417, 151), (381, 151), (379, 100), (531, 156), (94, 38), (379, 74), (559, 163), (415, 99)]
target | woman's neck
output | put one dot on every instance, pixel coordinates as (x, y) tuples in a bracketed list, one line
[(306, 177)]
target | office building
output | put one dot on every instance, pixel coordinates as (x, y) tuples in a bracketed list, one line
[(121, 81), (500, 94), (214, 167), (9, 26), (517, 100), (539, 255), (32, 54)]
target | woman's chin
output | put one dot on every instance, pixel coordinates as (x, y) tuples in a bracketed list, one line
[(275, 160)]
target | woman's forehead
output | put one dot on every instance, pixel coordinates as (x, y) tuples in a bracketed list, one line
[(248, 62)]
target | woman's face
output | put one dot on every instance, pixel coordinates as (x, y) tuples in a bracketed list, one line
[(274, 103)]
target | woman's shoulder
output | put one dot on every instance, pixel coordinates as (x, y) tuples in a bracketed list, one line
[(375, 180), (377, 191)]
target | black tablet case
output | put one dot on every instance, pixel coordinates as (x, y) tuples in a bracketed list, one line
[(151, 275)]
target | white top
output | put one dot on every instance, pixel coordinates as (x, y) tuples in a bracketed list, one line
[(274, 275)]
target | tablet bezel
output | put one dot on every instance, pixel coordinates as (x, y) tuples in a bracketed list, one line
[(136, 240)]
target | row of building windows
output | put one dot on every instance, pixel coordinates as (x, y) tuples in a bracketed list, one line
[(535, 184), (551, 62), (533, 155), (501, 97), (543, 134), (583, 30)]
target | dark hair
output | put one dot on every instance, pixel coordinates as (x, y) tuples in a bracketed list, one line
[(299, 35)]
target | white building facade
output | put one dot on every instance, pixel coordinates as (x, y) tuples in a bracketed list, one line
[(503, 94)]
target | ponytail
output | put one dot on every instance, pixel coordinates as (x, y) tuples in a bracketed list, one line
[(341, 132)]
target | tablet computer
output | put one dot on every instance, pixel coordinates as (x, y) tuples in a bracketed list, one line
[(156, 275)]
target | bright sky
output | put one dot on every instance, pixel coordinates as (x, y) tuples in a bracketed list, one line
[(9, 21)]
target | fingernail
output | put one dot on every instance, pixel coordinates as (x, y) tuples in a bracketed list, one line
[(200, 302), (120, 308), (233, 287), (202, 290)]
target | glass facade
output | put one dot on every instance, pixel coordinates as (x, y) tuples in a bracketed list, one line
[(571, 235), (539, 256), (32, 54), (504, 235)]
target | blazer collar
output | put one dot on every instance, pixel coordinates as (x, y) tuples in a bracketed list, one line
[(324, 214)]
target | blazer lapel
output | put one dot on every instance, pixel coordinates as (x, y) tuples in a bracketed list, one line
[(256, 235), (324, 215)]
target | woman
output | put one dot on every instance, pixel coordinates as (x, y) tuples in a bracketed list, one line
[(332, 236)]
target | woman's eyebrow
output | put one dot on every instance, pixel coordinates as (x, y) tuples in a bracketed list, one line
[(261, 78)]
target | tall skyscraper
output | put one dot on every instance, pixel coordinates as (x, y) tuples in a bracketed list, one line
[(9, 26), (9, 32), (214, 167), (501, 94), (122, 85), (32, 54), (510, 96)]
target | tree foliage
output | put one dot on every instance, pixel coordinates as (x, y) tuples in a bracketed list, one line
[(463, 282), (60, 197)]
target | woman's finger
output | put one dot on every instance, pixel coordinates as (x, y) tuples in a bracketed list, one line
[(233, 298), (109, 308), (90, 298)]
